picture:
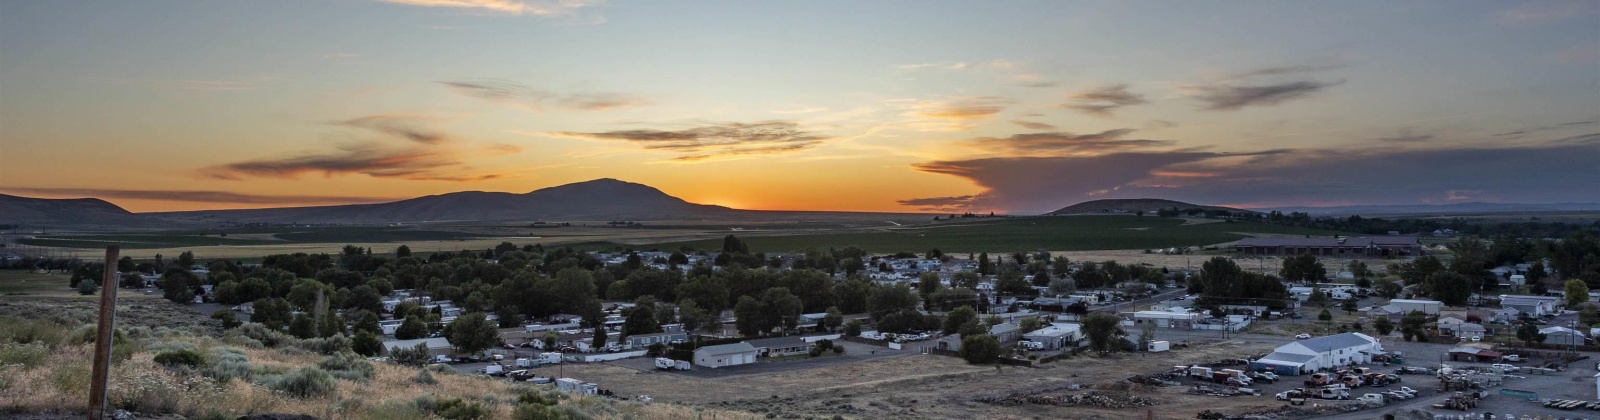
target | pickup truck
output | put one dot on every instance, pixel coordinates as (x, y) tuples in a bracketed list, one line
[(1372, 398)]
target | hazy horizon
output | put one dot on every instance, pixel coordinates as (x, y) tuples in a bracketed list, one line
[(903, 107)]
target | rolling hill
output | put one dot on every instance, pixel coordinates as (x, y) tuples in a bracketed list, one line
[(27, 213), (600, 199), (1133, 205)]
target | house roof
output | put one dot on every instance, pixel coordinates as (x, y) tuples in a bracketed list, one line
[(1290, 358), (1558, 330), (1471, 327), (1002, 328), (1328, 343), (722, 349), (1057, 330), (777, 342)]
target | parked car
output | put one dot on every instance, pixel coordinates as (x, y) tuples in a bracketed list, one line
[(1302, 336)]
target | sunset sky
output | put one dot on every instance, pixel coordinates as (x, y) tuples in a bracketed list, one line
[(901, 106)]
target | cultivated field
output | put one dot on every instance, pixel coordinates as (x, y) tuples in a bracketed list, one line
[(1075, 233)]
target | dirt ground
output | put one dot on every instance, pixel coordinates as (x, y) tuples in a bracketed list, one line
[(930, 386)]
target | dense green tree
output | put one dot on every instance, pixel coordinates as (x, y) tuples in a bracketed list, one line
[(1103, 331), (1318, 297), (1529, 333), (271, 312), (410, 329), (780, 309), (1413, 326), (928, 283), (710, 292), (1349, 305), (641, 319), (1324, 315), (366, 344), (965, 279), (980, 349), (957, 317), (1576, 292), (748, 317), (832, 320), (692, 316), (225, 319), (303, 326), (1303, 268), (599, 337), (1449, 287), (178, 285), (1418, 270), (473, 333), (1386, 288), (1383, 325), (891, 299)]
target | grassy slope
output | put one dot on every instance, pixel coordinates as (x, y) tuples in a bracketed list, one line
[(1023, 233)]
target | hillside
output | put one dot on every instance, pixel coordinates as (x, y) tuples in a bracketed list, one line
[(31, 213), (1133, 205), (600, 199)]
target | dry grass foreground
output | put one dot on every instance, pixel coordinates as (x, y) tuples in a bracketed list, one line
[(45, 368)]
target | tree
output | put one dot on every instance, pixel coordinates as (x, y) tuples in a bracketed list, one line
[(1449, 287), (274, 313), (402, 252), (1413, 326), (853, 328), (1012, 283), (832, 320), (1529, 333), (1318, 297), (88, 287), (366, 344), (303, 326), (965, 279), (692, 316), (747, 316), (1303, 267), (984, 267), (225, 318), (1387, 288), (891, 299), (956, 318), (1383, 325), (1588, 314), (178, 285), (1418, 270), (1325, 315), (328, 324), (780, 309), (1577, 292), (980, 349), (1349, 305), (1147, 334), (927, 284), (473, 333), (1102, 330), (599, 337), (641, 319), (410, 329), (1029, 324)]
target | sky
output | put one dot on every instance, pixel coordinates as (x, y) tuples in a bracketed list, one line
[(894, 106)]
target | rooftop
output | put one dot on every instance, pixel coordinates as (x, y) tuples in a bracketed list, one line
[(1328, 343), (722, 349)]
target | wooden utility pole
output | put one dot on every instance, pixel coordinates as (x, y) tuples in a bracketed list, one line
[(102, 342)]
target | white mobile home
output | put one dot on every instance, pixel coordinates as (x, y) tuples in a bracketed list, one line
[(1406, 306)]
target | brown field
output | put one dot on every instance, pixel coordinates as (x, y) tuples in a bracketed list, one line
[(929, 386)]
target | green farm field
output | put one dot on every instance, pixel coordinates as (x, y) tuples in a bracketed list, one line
[(1069, 233)]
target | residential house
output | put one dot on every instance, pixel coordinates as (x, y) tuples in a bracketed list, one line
[(1448, 325), (1405, 306), (1165, 319), (1006, 332), (780, 346), (1530, 305), (1057, 336), (725, 355), (1330, 351), (640, 341), (1470, 330)]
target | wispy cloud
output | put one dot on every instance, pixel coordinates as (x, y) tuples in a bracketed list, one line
[(1101, 101), (958, 203), (1005, 64), (1537, 12), (508, 7), (714, 141), (1064, 144), (1406, 136), (405, 126), (1033, 125), (1232, 97), (536, 99), (960, 109), (192, 196), (424, 155), (948, 65)]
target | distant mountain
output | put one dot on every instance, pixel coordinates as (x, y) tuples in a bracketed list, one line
[(600, 199), (1453, 208), (1134, 205), (92, 213)]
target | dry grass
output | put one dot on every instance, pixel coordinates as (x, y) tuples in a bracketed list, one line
[(59, 384)]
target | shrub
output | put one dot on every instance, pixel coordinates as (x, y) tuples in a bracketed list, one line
[(226, 319), (547, 412), (825, 344), (815, 351), (25, 331), (348, 366), (306, 382), (326, 345), (27, 355), (267, 336), (366, 344), (456, 409), (838, 349), (424, 378), (178, 358), (414, 356), (227, 363), (88, 287)]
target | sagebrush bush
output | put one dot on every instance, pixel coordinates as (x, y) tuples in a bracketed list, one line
[(27, 355), (458, 409), (424, 378), (170, 346), (348, 366), (325, 346), (266, 336), (227, 363), (178, 358), (24, 331), (547, 412), (305, 382)]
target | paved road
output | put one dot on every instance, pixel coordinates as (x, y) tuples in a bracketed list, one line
[(854, 352)]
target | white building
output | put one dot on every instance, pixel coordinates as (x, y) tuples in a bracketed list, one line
[(1165, 319), (725, 355), (1530, 305), (1057, 336), (1322, 352), (436, 346), (1406, 306)]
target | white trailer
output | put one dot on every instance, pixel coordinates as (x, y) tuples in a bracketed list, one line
[(1159, 346), (523, 363), (670, 364), (549, 358), (577, 386)]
